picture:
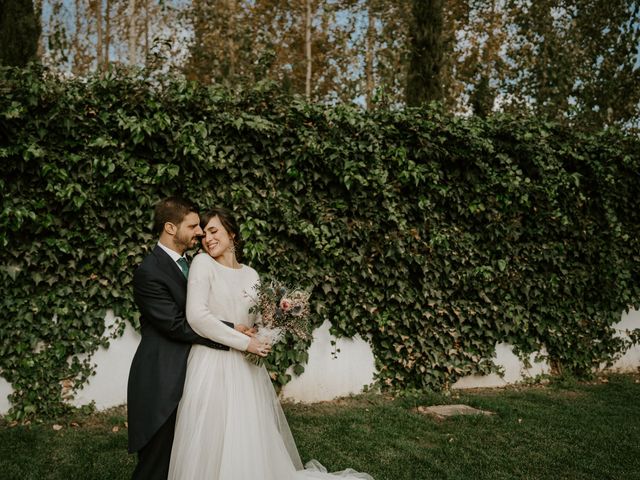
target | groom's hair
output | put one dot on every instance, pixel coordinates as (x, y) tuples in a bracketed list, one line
[(173, 210)]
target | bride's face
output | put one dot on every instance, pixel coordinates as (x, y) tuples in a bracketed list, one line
[(216, 239)]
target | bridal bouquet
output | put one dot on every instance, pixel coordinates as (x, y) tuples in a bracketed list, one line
[(280, 310)]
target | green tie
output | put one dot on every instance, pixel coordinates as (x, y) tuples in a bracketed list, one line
[(184, 266)]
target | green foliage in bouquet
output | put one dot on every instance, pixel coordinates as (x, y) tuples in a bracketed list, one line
[(280, 311), (432, 236), (283, 307)]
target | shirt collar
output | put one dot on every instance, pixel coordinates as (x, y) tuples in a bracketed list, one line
[(175, 256)]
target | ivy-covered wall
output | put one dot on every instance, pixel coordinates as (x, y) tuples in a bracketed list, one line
[(437, 236)]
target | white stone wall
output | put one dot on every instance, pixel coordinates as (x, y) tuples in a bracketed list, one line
[(332, 371), (108, 387), (326, 375), (630, 361), (5, 391)]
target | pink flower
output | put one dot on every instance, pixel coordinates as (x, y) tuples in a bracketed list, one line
[(285, 304)]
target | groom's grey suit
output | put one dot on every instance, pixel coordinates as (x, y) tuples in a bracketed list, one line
[(158, 369)]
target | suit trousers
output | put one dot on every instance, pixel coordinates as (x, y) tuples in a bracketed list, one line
[(154, 457)]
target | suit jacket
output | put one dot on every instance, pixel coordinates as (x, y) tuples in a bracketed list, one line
[(159, 366)]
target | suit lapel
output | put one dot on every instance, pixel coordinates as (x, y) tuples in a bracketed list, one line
[(169, 267)]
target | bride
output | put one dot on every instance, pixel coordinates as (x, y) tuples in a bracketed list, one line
[(230, 425)]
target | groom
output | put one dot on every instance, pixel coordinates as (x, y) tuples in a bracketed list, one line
[(158, 369)]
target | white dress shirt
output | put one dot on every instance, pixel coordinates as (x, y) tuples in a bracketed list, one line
[(175, 256)]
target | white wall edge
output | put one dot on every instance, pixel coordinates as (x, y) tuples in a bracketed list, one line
[(331, 372)]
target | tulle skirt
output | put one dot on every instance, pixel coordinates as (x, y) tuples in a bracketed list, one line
[(230, 425)]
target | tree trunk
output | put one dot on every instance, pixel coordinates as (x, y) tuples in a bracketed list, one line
[(231, 34), (76, 39), (146, 31), (131, 13), (307, 43), (370, 54), (107, 33), (483, 96), (97, 5), (19, 32), (37, 4), (424, 83)]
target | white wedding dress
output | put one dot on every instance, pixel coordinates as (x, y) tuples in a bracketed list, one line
[(230, 425)]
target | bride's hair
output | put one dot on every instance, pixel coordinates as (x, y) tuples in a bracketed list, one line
[(228, 221)]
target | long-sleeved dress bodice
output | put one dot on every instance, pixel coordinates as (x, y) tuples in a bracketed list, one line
[(216, 293)]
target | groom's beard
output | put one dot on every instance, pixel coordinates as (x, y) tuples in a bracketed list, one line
[(185, 242)]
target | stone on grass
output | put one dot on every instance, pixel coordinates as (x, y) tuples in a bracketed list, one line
[(444, 411)]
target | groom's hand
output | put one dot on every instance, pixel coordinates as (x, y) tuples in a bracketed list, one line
[(249, 331), (259, 348)]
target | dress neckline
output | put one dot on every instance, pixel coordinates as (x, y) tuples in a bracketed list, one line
[(241, 267)]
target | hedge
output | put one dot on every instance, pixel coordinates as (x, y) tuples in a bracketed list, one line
[(433, 236)]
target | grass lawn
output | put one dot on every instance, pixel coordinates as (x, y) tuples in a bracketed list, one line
[(571, 431)]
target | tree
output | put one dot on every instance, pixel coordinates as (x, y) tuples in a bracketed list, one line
[(384, 42), (568, 60), (82, 36), (218, 51), (19, 32), (393, 50), (370, 54), (424, 80), (308, 19), (575, 60), (609, 93), (107, 34), (310, 44), (302, 44), (96, 6)]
